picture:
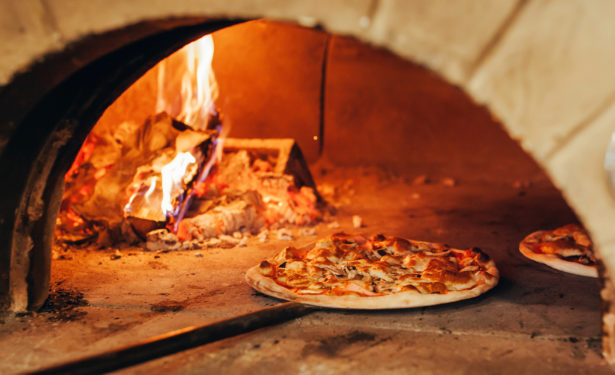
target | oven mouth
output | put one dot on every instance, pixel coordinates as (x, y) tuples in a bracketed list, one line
[(38, 151), (466, 183)]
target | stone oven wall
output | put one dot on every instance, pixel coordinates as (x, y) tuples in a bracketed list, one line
[(543, 67)]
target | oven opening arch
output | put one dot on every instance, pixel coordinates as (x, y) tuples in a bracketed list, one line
[(59, 140)]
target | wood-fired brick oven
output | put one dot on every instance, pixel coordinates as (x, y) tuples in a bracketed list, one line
[(349, 107)]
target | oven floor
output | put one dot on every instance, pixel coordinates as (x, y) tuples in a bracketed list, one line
[(537, 320)]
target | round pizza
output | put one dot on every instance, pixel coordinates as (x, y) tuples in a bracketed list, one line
[(356, 272), (567, 249)]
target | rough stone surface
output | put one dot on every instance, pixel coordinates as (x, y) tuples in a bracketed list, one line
[(551, 71), (536, 321), (383, 110), (447, 36), (303, 348), (27, 33), (270, 76), (33, 28), (341, 15)]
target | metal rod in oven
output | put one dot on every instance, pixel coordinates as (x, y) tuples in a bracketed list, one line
[(179, 340)]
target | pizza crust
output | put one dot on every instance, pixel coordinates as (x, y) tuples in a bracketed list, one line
[(400, 300), (553, 260)]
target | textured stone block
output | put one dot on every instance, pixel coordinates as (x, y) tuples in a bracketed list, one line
[(337, 15), (32, 29), (551, 71), (448, 36), (578, 169), (27, 33), (269, 75), (383, 110)]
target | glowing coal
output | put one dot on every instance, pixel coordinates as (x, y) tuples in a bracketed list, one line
[(168, 177)]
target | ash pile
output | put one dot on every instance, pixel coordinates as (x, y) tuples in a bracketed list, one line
[(165, 186)]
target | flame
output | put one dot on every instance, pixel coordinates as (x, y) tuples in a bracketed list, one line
[(187, 89), (172, 179), (200, 185), (192, 102), (152, 187)]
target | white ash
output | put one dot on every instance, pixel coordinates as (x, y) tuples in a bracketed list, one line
[(204, 244), (307, 232), (285, 235), (240, 201), (243, 242), (193, 245), (213, 242), (228, 240), (333, 225), (161, 239), (235, 171), (263, 236), (242, 213), (357, 221), (195, 234)]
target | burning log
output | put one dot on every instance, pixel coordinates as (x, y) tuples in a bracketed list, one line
[(164, 174), (158, 188), (127, 158), (240, 214), (161, 239), (283, 154), (257, 183), (144, 174)]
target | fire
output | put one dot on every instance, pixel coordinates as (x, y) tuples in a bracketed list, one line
[(84, 154), (193, 103), (199, 90), (173, 180), (168, 172)]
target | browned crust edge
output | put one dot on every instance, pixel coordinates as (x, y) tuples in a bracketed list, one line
[(554, 261), (401, 300)]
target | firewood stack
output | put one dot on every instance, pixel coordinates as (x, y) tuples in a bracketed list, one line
[(115, 169), (114, 190)]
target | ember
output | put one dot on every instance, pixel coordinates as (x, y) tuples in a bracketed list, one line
[(175, 181)]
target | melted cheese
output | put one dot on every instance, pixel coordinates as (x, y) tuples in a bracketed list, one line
[(351, 265)]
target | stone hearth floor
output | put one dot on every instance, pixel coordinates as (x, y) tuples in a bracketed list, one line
[(537, 320)]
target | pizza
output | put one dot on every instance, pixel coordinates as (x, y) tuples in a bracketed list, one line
[(356, 272), (567, 249)]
